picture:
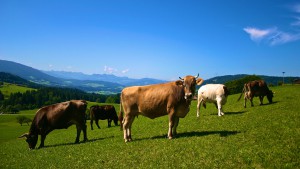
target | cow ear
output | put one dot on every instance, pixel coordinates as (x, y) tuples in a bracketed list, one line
[(199, 81), (179, 82), (24, 135)]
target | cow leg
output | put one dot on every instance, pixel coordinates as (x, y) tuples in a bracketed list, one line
[(245, 98), (171, 125), (176, 122), (127, 122), (96, 121), (261, 98), (129, 131), (91, 124), (78, 133), (43, 137), (198, 107), (251, 100), (84, 132), (219, 106), (109, 122)]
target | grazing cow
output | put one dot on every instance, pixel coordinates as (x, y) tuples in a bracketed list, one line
[(256, 88), (212, 93), (57, 116), (173, 99), (103, 112)]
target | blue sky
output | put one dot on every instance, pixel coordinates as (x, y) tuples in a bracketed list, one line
[(160, 39)]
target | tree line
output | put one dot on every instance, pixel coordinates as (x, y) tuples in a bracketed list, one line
[(32, 99)]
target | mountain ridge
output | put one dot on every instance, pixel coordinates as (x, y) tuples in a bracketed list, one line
[(126, 81), (97, 86)]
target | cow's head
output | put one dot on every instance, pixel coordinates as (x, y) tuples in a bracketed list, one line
[(270, 96), (189, 84), (30, 139)]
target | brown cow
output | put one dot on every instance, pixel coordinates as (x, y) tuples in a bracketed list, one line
[(103, 112), (57, 116), (173, 99), (256, 88)]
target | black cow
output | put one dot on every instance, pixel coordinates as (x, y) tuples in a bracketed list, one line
[(103, 112), (57, 116)]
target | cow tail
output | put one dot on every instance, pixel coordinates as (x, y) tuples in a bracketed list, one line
[(226, 91), (121, 114), (244, 89)]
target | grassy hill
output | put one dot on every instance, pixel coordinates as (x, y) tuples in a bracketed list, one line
[(8, 88), (265, 136)]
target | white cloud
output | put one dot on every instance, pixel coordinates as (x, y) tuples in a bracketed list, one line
[(50, 66), (109, 70), (296, 8), (257, 34), (274, 36), (283, 37), (297, 22), (271, 36), (125, 71)]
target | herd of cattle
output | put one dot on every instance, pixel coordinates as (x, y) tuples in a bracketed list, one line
[(172, 99)]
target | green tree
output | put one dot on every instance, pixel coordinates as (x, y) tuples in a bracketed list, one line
[(1, 96), (23, 119), (110, 99)]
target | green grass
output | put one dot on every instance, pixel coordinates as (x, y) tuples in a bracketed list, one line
[(265, 136), (8, 88)]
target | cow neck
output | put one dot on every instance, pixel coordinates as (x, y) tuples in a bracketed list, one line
[(33, 128)]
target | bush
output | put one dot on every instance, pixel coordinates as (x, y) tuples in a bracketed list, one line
[(23, 119)]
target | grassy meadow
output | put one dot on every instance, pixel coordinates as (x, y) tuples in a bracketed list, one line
[(8, 88), (265, 136)]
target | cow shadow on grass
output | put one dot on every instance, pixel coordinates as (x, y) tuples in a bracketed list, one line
[(267, 104), (72, 143), (223, 133), (228, 113), (234, 113)]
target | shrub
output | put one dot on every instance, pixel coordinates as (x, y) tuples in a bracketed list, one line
[(23, 119)]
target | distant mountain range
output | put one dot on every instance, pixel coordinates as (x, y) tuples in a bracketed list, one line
[(105, 84), (102, 83), (125, 81)]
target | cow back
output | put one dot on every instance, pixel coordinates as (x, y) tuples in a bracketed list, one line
[(61, 115)]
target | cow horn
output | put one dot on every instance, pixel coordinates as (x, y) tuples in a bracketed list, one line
[(24, 135), (197, 76), (180, 78)]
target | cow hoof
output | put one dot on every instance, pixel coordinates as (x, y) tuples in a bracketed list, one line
[(128, 140)]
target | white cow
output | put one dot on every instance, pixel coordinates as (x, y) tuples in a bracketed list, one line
[(212, 93)]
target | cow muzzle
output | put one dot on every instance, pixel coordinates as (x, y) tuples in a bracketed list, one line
[(188, 96)]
